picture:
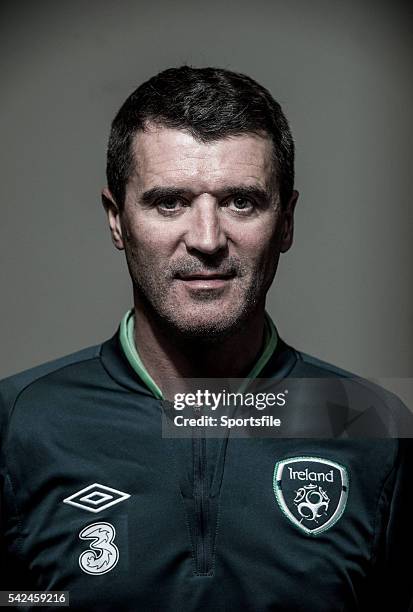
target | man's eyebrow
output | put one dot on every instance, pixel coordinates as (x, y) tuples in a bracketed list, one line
[(243, 191), (157, 193), (246, 191)]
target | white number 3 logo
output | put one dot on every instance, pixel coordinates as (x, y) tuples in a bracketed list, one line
[(103, 554)]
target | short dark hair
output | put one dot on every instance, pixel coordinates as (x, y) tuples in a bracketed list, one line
[(209, 103)]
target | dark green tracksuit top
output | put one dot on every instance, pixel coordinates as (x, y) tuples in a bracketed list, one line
[(95, 502)]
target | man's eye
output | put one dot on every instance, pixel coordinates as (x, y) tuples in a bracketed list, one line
[(241, 204), (169, 205)]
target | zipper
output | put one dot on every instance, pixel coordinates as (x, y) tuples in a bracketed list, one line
[(201, 501)]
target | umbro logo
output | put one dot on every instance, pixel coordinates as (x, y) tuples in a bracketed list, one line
[(96, 497)]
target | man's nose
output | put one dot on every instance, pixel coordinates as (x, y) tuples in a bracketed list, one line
[(205, 233)]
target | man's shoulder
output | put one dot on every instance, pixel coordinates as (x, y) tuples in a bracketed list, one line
[(362, 396), (309, 366), (12, 386), (313, 366)]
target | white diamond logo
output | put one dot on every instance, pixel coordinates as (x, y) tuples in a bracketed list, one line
[(96, 497)]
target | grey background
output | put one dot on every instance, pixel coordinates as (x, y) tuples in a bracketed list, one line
[(341, 70)]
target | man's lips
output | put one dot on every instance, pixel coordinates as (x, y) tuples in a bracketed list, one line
[(204, 276), (205, 280)]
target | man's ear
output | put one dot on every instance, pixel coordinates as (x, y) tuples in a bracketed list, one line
[(113, 213), (288, 224)]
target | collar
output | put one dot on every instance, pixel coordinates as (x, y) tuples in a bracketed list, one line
[(126, 337)]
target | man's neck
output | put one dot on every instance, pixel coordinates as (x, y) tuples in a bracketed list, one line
[(166, 356)]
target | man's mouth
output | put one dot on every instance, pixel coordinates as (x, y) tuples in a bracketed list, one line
[(205, 280)]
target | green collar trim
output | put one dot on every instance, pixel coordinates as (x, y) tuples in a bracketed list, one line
[(126, 335), (127, 328), (271, 339)]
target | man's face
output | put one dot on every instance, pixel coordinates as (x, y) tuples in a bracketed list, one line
[(202, 228)]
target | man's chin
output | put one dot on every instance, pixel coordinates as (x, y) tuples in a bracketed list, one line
[(206, 327)]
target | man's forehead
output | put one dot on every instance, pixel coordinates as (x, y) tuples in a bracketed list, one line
[(171, 154)]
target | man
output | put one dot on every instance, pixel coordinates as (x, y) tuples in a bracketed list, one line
[(95, 501)]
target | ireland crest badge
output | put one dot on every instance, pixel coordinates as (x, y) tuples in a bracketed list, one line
[(311, 492)]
